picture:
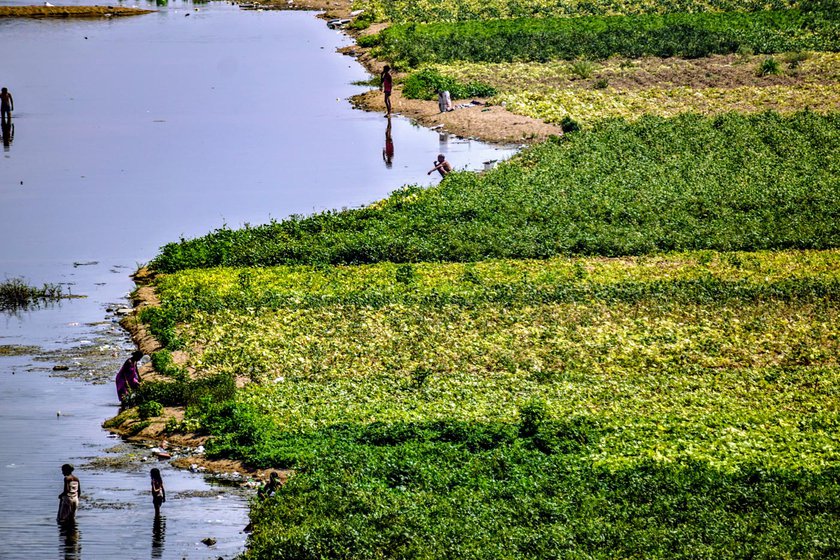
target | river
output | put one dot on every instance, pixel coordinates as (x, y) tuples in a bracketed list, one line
[(129, 133)]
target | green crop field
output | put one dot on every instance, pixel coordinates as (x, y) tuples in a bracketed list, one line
[(544, 39), (680, 405)]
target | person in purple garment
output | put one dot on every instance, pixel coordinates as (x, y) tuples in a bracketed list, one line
[(128, 378)]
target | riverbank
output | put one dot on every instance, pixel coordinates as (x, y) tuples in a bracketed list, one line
[(69, 11), (129, 424)]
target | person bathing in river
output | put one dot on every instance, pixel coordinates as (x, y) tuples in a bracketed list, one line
[(128, 378), (69, 498), (441, 166), (387, 85), (7, 105), (158, 491)]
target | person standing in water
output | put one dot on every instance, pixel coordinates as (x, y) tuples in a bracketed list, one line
[(128, 378), (387, 85), (69, 498), (158, 492), (441, 166), (7, 105)]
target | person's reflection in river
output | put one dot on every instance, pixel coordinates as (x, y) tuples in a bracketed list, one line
[(8, 130), (388, 150), (70, 541), (158, 536)]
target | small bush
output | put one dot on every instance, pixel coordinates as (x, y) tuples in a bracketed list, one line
[(769, 66), (424, 84), (149, 409), (582, 68)]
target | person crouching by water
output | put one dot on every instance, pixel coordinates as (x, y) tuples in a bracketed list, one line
[(69, 498), (158, 492), (441, 166), (128, 378)]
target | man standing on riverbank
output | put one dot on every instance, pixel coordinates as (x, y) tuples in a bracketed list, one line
[(7, 105)]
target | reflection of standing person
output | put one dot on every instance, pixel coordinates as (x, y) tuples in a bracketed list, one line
[(441, 166), (70, 541), (387, 85), (158, 492), (7, 104), (158, 536), (8, 130), (388, 150), (128, 378), (69, 498)]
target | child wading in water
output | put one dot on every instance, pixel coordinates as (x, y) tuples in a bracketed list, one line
[(158, 492), (69, 498)]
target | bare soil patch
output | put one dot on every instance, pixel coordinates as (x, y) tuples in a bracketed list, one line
[(489, 123)]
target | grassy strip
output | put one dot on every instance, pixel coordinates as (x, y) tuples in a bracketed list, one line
[(702, 277), (727, 183), (685, 35), (418, 11), (588, 106)]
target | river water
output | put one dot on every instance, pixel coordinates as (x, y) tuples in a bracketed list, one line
[(129, 133)]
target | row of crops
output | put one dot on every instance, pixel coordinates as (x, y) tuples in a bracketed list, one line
[(544, 39)]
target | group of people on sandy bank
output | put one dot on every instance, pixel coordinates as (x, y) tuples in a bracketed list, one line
[(444, 103)]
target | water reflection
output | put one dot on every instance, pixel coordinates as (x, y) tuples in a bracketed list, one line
[(388, 150), (8, 130), (158, 536), (70, 543)]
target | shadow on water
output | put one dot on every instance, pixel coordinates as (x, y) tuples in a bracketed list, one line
[(69, 541)]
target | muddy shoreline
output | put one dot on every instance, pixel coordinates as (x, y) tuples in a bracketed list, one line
[(70, 11)]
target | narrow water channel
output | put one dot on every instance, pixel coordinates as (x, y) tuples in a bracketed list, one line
[(129, 133)]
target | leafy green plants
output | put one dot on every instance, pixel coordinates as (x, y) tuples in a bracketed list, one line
[(543, 39), (582, 68), (424, 84), (149, 409), (769, 67)]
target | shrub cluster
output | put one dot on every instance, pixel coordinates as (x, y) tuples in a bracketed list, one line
[(424, 84)]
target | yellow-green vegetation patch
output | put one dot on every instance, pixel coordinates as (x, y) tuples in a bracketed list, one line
[(587, 106), (434, 408), (795, 68), (400, 11)]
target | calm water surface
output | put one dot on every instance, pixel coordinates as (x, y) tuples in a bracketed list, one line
[(129, 133)]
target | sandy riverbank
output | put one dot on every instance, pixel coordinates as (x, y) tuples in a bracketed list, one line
[(486, 123), (69, 11)]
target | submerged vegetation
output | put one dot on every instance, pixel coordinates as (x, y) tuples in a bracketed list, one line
[(16, 294)]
